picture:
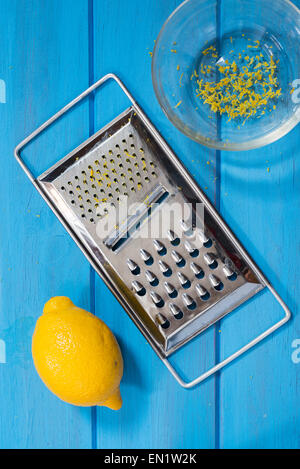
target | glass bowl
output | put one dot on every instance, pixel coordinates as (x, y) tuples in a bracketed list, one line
[(206, 41)]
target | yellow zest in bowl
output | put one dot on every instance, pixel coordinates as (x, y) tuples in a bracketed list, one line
[(242, 88)]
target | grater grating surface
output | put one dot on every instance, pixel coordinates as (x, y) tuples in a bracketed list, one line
[(168, 257), (183, 272)]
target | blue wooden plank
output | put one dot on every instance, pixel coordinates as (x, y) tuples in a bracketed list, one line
[(156, 413), (259, 395), (44, 63)]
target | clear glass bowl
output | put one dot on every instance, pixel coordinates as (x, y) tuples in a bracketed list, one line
[(231, 31)]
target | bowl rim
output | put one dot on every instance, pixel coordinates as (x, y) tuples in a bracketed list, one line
[(252, 144)]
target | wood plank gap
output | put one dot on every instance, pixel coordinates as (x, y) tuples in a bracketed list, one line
[(91, 132), (218, 206)]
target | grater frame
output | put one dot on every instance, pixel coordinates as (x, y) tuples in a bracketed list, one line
[(209, 207)]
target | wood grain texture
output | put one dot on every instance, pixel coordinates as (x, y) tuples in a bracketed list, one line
[(157, 413), (44, 62)]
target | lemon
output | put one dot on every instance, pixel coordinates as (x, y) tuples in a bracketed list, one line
[(77, 356)]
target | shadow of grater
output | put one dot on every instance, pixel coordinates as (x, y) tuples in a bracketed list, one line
[(150, 232)]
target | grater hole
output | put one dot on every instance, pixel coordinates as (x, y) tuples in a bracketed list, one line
[(63, 188), (192, 306), (162, 321), (166, 270), (142, 292), (139, 289), (205, 297), (219, 287), (200, 275), (133, 267), (174, 294), (214, 265), (186, 285), (194, 253), (154, 282), (181, 263), (178, 315), (176, 311), (184, 281), (232, 277), (160, 248), (160, 304), (166, 325), (208, 244)]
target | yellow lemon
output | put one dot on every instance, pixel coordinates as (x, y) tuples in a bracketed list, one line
[(77, 356)]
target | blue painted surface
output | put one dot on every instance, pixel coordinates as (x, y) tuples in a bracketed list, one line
[(51, 50)]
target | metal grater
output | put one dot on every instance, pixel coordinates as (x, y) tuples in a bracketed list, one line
[(150, 232)]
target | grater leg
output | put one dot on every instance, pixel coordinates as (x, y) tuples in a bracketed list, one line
[(238, 353)]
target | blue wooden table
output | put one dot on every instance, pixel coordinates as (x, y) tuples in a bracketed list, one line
[(51, 50)]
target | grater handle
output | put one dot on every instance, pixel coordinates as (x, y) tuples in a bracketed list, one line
[(238, 353), (59, 114)]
